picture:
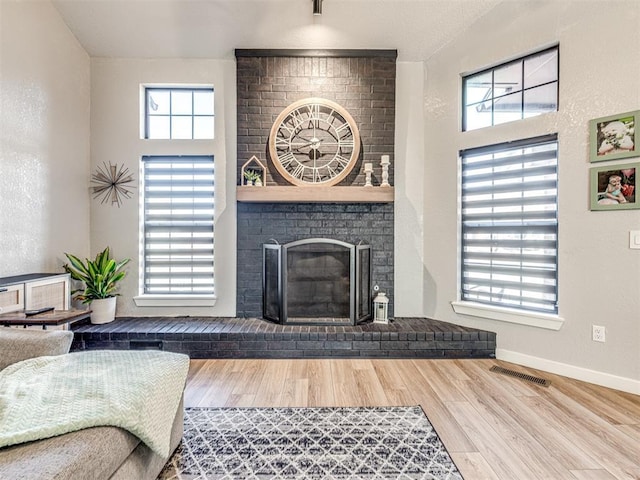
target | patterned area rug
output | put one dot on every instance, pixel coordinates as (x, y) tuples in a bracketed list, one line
[(371, 443)]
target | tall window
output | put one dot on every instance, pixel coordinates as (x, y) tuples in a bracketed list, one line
[(179, 113), (510, 225), (178, 225), (512, 91)]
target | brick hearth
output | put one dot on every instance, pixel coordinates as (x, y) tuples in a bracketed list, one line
[(206, 337)]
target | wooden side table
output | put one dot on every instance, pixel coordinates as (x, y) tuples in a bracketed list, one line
[(51, 318)]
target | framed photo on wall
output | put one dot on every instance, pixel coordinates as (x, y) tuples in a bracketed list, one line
[(614, 187), (613, 137)]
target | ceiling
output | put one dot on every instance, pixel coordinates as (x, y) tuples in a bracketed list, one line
[(214, 28)]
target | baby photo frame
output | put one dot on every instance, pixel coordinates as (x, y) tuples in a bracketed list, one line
[(614, 187), (613, 137)]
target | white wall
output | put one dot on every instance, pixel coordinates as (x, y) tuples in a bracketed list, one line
[(409, 282), (115, 138), (44, 140), (599, 275)]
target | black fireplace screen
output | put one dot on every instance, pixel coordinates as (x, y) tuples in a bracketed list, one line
[(316, 281)]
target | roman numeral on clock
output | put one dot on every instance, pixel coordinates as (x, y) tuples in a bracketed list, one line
[(313, 112), (283, 143), (343, 162), (287, 130), (343, 130), (332, 172), (346, 142), (297, 118), (298, 172), (287, 159)]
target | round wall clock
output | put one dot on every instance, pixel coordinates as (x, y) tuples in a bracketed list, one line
[(314, 142)]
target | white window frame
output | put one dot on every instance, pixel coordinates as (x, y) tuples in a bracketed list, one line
[(179, 219), (171, 115), (197, 147), (491, 97), (518, 315)]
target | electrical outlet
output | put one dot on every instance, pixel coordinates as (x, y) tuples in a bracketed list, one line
[(598, 333)]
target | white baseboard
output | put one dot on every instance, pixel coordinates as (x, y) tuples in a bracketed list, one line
[(584, 374)]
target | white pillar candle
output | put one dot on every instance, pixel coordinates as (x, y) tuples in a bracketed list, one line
[(368, 170), (384, 161)]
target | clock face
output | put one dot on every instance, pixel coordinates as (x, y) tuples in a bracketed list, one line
[(314, 142)]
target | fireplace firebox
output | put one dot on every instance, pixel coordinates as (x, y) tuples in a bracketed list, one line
[(316, 281)]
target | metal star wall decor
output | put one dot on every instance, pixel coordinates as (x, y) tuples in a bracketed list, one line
[(112, 183)]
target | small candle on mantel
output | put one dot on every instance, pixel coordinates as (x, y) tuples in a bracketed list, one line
[(384, 161), (368, 170)]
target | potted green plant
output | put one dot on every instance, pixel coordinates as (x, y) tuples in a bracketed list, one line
[(100, 278), (251, 177)]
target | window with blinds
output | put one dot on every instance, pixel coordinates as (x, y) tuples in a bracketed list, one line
[(510, 225), (178, 225)]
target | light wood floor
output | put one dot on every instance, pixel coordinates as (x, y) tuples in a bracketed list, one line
[(494, 426)]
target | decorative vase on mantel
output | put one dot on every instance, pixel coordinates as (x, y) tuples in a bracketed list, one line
[(103, 310)]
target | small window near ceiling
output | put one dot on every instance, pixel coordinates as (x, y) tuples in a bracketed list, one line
[(179, 113), (509, 250), (519, 89)]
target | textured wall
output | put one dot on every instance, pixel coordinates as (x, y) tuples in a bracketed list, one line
[(115, 137), (599, 276), (366, 88), (44, 140)]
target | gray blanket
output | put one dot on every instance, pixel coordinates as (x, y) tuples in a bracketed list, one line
[(135, 390)]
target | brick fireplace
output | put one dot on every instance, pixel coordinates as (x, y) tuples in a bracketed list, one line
[(363, 82)]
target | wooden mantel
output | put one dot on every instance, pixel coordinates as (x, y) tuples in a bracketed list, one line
[(279, 194)]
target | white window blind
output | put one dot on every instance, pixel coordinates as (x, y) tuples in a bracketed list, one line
[(510, 225), (178, 224)]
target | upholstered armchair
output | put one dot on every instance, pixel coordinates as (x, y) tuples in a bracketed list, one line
[(18, 344)]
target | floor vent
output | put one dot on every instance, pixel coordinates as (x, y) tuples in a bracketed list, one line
[(522, 376)]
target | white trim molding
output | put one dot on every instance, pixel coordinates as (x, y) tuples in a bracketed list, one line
[(578, 373), (511, 315), (175, 300)]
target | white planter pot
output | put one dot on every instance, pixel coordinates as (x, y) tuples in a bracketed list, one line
[(103, 310)]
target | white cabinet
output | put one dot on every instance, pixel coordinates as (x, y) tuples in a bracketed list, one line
[(35, 290), (11, 298), (51, 291)]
